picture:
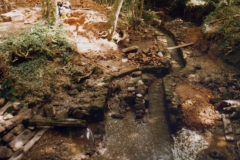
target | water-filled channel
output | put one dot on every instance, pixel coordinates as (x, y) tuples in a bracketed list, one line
[(128, 139)]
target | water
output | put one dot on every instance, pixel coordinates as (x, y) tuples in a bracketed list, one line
[(128, 139), (187, 144)]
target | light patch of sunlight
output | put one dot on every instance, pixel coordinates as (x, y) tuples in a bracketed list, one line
[(196, 2), (19, 144), (233, 102), (84, 46), (187, 144), (222, 142), (133, 136)]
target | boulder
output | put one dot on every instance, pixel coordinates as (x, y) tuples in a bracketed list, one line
[(5, 152)]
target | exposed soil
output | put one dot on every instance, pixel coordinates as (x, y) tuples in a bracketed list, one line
[(196, 111)]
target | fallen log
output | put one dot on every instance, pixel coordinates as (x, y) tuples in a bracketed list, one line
[(55, 122), (180, 46)]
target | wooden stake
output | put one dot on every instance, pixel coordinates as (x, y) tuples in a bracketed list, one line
[(180, 46)]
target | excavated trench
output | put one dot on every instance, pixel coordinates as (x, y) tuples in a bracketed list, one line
[(137, 122)]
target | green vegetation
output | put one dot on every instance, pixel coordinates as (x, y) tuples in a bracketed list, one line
[(8, 93), (34, 58), (224, 23), (41, 40)]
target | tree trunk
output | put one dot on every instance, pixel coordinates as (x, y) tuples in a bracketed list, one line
[(112, 22), (49, 10), (141, 9)]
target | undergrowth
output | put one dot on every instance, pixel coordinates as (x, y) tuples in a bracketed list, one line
[(41, 40), (33, 56), (224, 23)]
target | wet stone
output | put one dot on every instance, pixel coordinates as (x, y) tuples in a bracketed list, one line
[(226, 95), (237, 130), (73, 92), (216, 154), (145, 50), (2, 129), (139, 115), (145, 78), (77, 113), (140, 106), (2, 101), (131, 89), (234, 115), (18, 129), (5, 152), (198, 66), (117, 116), (8, 137), (49, 110), (62, 115), (136, 74)]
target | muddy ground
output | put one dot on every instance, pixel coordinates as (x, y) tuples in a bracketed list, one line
[(194, 88)]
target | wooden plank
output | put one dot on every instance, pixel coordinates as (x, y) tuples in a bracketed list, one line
[(180, 46), (55, 122)]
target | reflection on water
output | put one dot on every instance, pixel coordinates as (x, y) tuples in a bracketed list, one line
[(127, 140), (187, 144)]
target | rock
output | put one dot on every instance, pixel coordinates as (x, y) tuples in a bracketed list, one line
[(145, 78), (8, 137), (24, 113), (49, 110), (140, 106), (20, 140), (130, 99), (174, 109), (217, 81), (130, 49), (62, 115), (12, 16), (97, 108), (216, 100), (227, 125), (234, 115), (3, 109), (139, 115), (198, 67), (141, 89), (77, 113), (218, 123), (145, 50), (222, 89), (117, 116), (136, 74), (2, 129), (226, 95), (131, 89), (73, 92), (216, 154), (122, 111), (5, 152), (2, 102), (237, 130)]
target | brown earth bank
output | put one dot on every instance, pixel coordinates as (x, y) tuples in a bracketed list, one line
[(196, 95)]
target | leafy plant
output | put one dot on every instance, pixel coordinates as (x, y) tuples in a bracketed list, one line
[(8, 93), (65, 58), (41, 40)]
